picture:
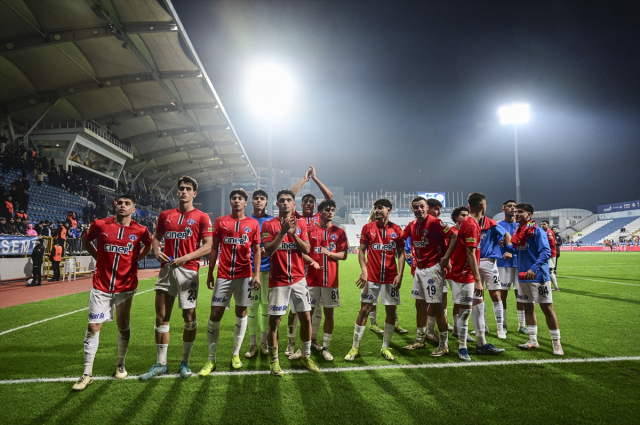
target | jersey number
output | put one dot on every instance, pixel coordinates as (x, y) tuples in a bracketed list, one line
[(193, 295), (250, 292), (334, 295), (396, 294), (543, 291), (495, 279)]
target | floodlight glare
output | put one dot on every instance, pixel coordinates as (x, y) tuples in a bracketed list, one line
[(518, 113), (271, 89)]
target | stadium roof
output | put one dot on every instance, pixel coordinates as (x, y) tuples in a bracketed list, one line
[(126, 65)]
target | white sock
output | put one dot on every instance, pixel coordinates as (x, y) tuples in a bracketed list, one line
[(554, 280), (357, 335), (306, 348), (533, 333), (497, 311), (478, 324), (253, 339), (555, 334), (91, 341), (388, 333), (455, 323), (504, 317), (463, 327), (186, 350), (123, 344), (326, 340), (162, 353), (263, 337), (316, 318), (444, 338), (431, 325), (213, 335), (238, 334), (521, 319), (253, 317), (420, 334), (484, 314), (372, 317)]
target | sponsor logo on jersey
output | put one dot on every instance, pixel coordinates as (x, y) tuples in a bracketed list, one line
[(265, 234), (288, 246), (106, 234), (236, 241), (471, 240), (179, 235), (191, 222), (421, 243), (384, 246), (125, 250), (133, 238)]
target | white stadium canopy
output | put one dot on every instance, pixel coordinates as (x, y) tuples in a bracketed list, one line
[(126, 66)]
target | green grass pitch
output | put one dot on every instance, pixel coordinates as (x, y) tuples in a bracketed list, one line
[(598, 310)]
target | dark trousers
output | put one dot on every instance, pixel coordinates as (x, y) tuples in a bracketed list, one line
[(55, 266), (37, 273)]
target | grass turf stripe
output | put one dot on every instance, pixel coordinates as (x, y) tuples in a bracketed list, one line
[(354, 369), (56, 317), (596, 280)]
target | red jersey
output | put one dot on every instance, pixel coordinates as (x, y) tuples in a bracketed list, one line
[(237, 238), (287, 265), (447, 274), (427, 240), (381, 250), (314, 220), (118, 253), (552, 242), (468, 235), (334, 239), (183, 233)]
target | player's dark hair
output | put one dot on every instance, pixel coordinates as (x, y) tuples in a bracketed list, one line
[(327, 203), (129, 196), (418, 199), (259, 192), (285, 192), (456, 212), (545, 221), (475, 199), (432, 202), (309, 195), (508, 201), (240, 192), (383, 202), (525, 207), (187, 179)]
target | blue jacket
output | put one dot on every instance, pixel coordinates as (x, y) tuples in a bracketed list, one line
[(265, 260), (534, 256), (490, 242), (513, 261)]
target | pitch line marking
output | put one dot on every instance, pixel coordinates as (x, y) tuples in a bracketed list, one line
[(595, 280), (57, 317), (352, 369)]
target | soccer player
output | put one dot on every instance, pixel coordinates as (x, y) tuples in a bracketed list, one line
[(457, 215), (259, 310), (552, 259), (285, 241), (235, 236), (380, 276), (432, 255), (311, 218), (115, 281), (328, 245), (508, 267), (533, 277), (184, 229), (466, 284)]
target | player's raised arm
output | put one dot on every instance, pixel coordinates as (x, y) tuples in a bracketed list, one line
[(324, 189), (303, 244), (270, 247), (296, 188)]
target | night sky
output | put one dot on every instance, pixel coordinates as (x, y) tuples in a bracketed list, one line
[(404, 95)]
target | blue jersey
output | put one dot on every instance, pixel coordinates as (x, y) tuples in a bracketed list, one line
[(407, 250), (513, 261), (264, 265), (490, 242), (534, 256)]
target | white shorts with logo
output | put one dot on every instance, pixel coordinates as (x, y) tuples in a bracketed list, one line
[(297, 295), (552, 262), (508, 278), (102, 304), (241, 289), (328, 297), (462, 293), (180, 282), (534, 292), (373, 290), (489, 274), (261, 296), (429, 284)]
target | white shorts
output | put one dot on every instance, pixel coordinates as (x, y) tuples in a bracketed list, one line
[(462, 293), (552, 262), (489, 274), (328, 297), (180, 282), (241, 289), (429, 285), (102, 304), (508, 278), (261, 296), (372, 290), (297, 295), (534, 292)]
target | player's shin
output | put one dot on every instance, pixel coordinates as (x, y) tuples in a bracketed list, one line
[(253, 316), (91, 341), (388, 334), (463, 326), (498, 312), (123, 343), (316, 319), (357, 335), (479, 323), (292, 327), (160, 347), (213, 335), (187, 346), (264, 322), (238, 334)]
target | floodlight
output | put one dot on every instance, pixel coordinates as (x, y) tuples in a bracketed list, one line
[(517, 113), (271, 89)]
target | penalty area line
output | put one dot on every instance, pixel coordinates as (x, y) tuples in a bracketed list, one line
[(56, 317), (596, 280), (353, 369)]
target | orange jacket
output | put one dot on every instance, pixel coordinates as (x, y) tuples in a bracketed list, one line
[(9, 206), (57, 253)]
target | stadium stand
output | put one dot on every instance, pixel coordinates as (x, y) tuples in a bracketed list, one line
[(589, 229), (601, 231), (630, 228)]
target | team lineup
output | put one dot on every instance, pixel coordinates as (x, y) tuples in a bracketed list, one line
[(289, 266)]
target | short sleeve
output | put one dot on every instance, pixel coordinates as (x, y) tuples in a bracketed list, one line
[(94, 231), (364, 235), (268, 232), (255, 234), (217, 229), (145, 239), (407, 231), (205, 226), (304, 232), (160, 225), (470, 235), (399, 236), (342, 241)]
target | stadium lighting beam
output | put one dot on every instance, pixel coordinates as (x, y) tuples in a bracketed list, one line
[(271, 89), (517, 113)]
